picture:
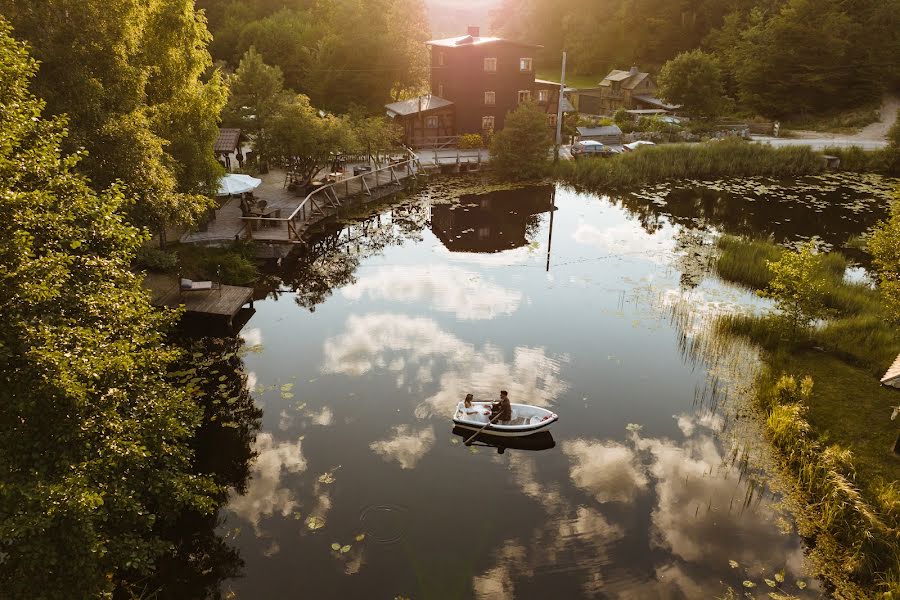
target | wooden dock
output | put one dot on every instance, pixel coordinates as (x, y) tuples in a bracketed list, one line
[(225, 301), (293, 215)]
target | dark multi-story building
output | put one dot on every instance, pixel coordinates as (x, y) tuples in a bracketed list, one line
[(482, 79), (485, 77)]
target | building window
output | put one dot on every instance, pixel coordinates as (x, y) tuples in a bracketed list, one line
[(490, 65), (552, 118), (543, 95), (490, 98), (431, 122), (524, 96), (487, 123), (525, 65), (440, 59), (440, 90)]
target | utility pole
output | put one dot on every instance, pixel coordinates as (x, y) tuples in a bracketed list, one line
[(559, 110)]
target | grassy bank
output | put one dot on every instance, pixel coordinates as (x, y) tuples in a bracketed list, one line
[(829, 417), (712, 160), (232, 264)]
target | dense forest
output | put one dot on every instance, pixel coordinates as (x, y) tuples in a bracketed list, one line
[(778, 57), (340, 53)]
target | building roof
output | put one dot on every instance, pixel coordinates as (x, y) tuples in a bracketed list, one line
[(468, 40), (654, 101), (597, 131), (416, 105), (567, 106), (892, 377), (630, 79), (228, 141)]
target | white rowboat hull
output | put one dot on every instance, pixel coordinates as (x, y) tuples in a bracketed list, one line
[(527, 419)]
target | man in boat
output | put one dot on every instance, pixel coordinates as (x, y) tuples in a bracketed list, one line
[(502, 408)]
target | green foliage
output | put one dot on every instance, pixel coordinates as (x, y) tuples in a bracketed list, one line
[(232, 265), (693, 79), (726, 158), (94, 458), (470, 141), (746, 261), (156, 260), (884, 246), (340, 53), (135, 81), (798, 286), (257, 92), (621, 116), (305, 141), (372, 136), (521, 149)]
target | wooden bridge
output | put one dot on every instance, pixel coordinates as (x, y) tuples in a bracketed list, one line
[(290, 216)]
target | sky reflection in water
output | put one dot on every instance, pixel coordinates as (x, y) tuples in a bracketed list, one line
[(639, 497)]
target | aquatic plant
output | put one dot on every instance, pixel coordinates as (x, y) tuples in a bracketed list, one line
[(725, 158)]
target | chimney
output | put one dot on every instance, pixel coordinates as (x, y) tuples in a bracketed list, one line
[(474, 31), (633, 71)]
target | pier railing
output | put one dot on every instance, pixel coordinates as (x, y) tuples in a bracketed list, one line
[(329, 196)]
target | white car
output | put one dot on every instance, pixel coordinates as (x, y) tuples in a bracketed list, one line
[(635, 145)]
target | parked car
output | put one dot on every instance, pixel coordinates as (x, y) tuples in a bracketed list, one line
[(635, 145), (592, 148)]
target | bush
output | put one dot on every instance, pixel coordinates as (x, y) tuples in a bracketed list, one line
[(156, 260), (229, 268), (470, 141), (725, 158), (521, 150), (621, 116)]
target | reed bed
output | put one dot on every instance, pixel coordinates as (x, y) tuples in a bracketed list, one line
[(711, 160)]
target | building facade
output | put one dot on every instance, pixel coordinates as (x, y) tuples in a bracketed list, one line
[(484, 77)]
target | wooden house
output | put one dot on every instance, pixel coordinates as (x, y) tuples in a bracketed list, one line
[(610, 135), (630, 89), (426, 120)]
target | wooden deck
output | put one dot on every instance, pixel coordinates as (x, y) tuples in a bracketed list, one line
[(297, 213), (226, 301)]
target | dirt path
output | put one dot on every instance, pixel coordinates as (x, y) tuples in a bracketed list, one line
[(878, 130)]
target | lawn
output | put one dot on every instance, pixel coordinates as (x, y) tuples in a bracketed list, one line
[(849, 407), (572, 80)]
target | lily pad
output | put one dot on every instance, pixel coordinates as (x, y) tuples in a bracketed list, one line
[(345, 549), (749, 584), (769, 582), (327, 477), (314, 523), (801, 584), (733, 564), (335, 546)]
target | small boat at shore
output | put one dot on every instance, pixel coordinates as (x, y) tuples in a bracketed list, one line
[(526, 419)]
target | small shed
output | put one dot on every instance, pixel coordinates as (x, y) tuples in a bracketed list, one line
[(425, 119), (607, 134), (892, 377), (228, 148)]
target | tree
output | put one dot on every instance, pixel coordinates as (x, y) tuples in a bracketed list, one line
[(520, 150), (693, 79), (305, 141), (94, 456), (135, 81), (373, 136), (884, 246), (257, 94), (798, 286)]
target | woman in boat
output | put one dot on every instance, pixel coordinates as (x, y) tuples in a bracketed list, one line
[(468, 409)]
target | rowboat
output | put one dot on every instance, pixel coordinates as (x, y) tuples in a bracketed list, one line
[(526, 419)]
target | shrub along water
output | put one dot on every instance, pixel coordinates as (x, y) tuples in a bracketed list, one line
[(855, 521), (725, 158)]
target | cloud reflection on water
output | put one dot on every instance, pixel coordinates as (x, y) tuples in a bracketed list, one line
[(700, 518), (265, 494), (406, 446), (375, 340), (444, 288)]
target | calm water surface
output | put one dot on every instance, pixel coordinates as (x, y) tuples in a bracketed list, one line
[(566, 300)]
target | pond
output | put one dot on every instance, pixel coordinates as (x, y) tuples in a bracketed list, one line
[(582, 303)]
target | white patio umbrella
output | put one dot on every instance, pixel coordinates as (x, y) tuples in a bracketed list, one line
[(236, 183)]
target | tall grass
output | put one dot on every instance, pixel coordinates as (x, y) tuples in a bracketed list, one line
[(744, 261), (885, 160), (725, 158), (865, 537)]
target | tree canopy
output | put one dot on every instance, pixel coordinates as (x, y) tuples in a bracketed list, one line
[(135, 81), (693, 80), (520, 150), (95, 456), (339, 53), (798, 286)]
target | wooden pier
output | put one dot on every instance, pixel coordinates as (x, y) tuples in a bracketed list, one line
[(291, 215), (224, 301)]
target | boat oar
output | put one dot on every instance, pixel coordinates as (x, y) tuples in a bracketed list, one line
[(472, 437)]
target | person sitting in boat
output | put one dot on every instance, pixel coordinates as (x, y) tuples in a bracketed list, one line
[(502, 408), (468, 409)]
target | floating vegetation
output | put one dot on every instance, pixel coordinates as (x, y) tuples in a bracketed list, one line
[(314, 523)]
